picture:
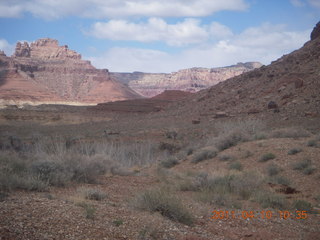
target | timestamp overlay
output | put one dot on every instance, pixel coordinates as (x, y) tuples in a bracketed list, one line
[(263, 214)]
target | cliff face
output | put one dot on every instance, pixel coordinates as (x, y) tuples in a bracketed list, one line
[(46, 72), (191, 80)]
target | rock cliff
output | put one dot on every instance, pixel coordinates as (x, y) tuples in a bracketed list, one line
[(190, 80), (43, 71)]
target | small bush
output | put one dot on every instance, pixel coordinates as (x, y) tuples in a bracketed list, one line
[(230, 140), (189, 151), (290, 133), (89, 210), (294, 151), (162, 201), (169, 163), (302, 164), (273, 170), (236, 166), (171, 148), (225, 158), (280, 180), (271, 200), (312, 143), (302, 205), (93, 194), (118, 222), (203, 155), (309, 170), (267, 157)]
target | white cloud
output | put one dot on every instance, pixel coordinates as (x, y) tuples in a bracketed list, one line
[(182, 33), (264, 43), (6, 47), (314, 3), (51, 9), (297, 3)]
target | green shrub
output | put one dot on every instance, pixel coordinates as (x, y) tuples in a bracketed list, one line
[(302, 205), (271, 200), (308, 170), (118, 222), (230, 140), (169, 163), (302, 164), (88, 209), (312, 143), (225, 158), (93, 194), (294, 151), (290, 133), (203, 155), (236, 166), (280, 180), (168, 205), (267, 157), (273, 170)]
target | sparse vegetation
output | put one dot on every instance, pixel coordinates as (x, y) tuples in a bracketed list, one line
[(302, 205), (280, 180), (308, 170), (89, 210), (312, 143), (236, 166), (203, 154), (301, 165), (225, 158), (93, 194), (118, 222), (289, 133), (294, 151), (266, 157), (273, 170), (230, 140), (271, 200), (162, 201), (169, 163)]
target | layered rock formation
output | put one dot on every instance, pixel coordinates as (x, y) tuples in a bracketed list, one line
[(43, 71), (191, 80)]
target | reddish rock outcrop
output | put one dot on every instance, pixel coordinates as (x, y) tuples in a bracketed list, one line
[(190, 80), (43, 71)]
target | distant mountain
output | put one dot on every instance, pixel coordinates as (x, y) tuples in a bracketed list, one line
[(44, 72), (190, 80)]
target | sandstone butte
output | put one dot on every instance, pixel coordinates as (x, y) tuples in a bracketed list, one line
[(189, 80), (44, 72)]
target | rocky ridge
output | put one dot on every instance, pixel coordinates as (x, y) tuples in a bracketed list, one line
[(43, 72), (190, 80)]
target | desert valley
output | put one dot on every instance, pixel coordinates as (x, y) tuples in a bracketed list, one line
[(198, 154)]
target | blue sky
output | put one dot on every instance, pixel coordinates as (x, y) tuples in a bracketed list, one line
[(162, 35)]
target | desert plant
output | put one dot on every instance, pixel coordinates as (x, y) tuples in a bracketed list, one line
[(118, 222), (294, 151), (302, 205), (203, 154), (290, 133), (312, 143), (93, 194), (162, 201), (301, 165), (270, 200), (308, 170), (230, 140), (225, 158), (267, 157), (236, 166), (280, 180), (273, 169), (169, 163), (88, 209)]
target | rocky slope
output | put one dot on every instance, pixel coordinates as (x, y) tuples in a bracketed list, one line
[(191, 80), (43, 71), (287, 89)]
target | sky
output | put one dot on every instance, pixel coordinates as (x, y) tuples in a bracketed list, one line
[(162, 35)]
